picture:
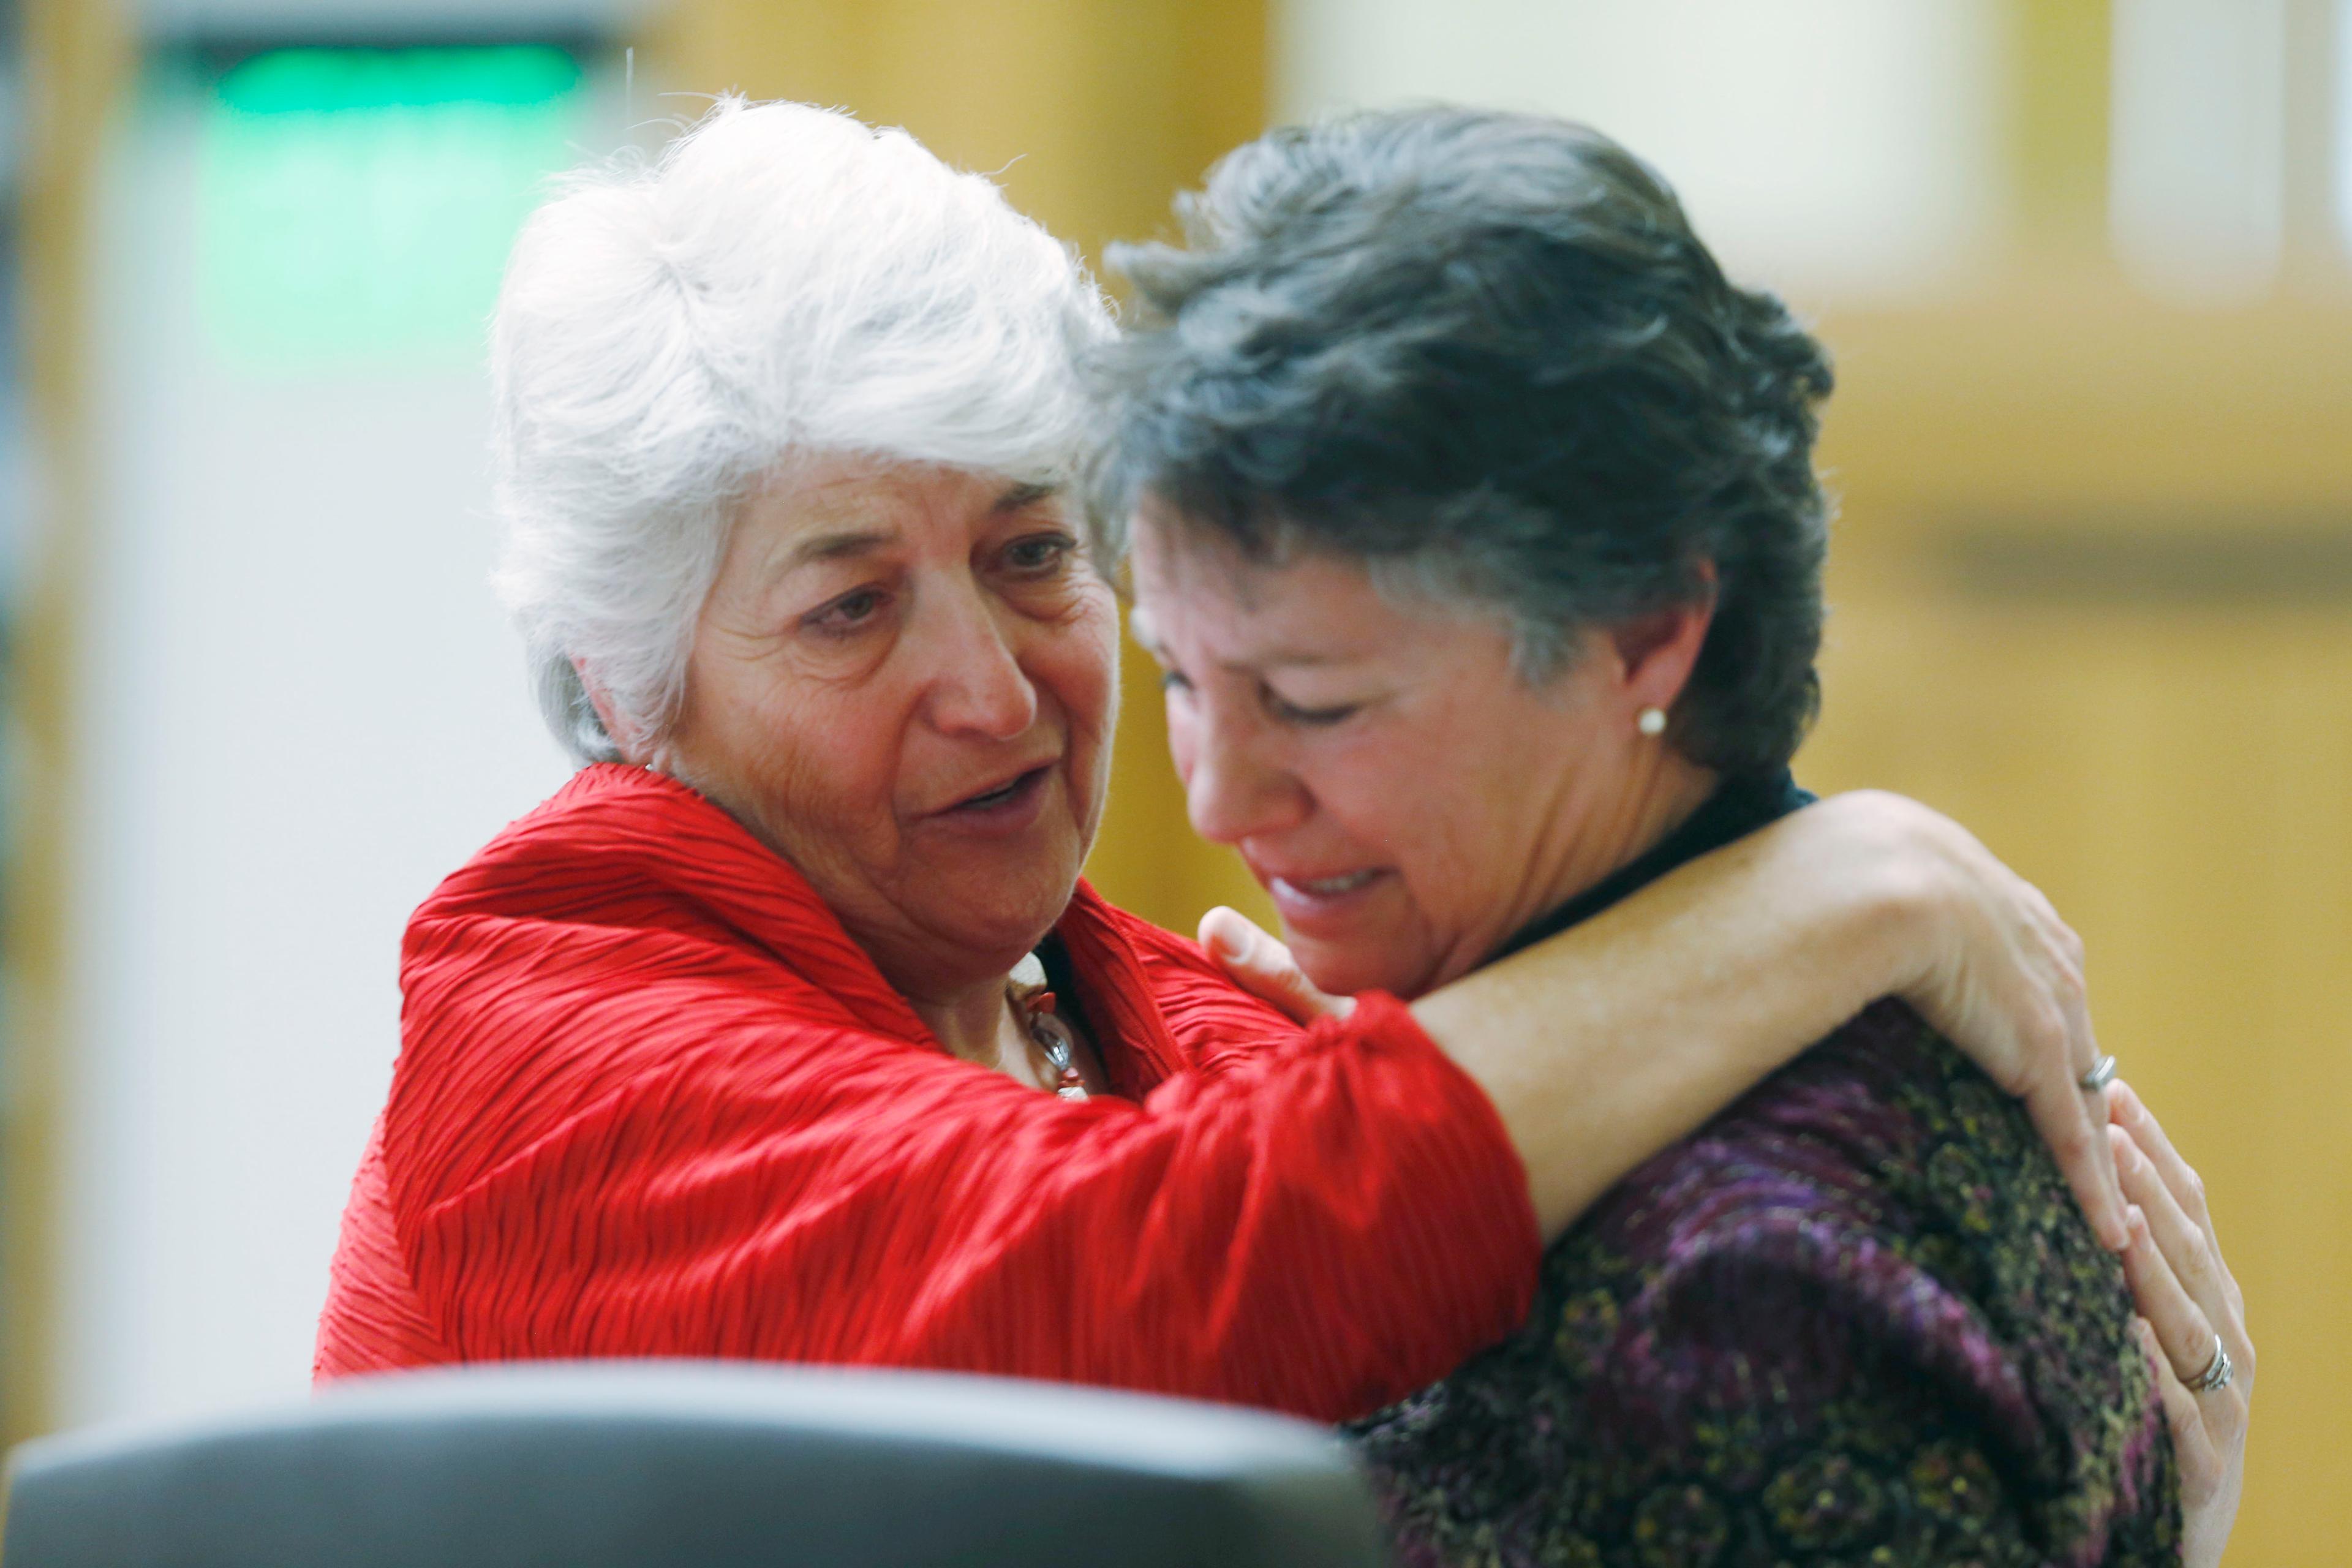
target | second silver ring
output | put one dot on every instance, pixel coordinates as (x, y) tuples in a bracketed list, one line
[(2218, 1372)]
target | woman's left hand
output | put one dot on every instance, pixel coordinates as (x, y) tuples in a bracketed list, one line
[(2191, 1312)]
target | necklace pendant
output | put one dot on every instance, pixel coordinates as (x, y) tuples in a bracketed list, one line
[(1033, 1005)]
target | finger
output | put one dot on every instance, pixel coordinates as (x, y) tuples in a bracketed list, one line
[(2064, 1114), (2188, 1251), (1262, 966), (2129, 1111), (2182, 1329), (2193, 1446), (2082, 1038), (1227, 934), (2187, 1186), (2064, 950), (2069, 1119)]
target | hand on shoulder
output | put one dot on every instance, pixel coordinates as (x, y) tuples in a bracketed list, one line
[(1981, 954)]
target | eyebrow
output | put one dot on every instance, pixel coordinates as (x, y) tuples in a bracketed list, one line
[(1016, 497), (844, 544), (833, 546), (1287, 658), (1139, 627)]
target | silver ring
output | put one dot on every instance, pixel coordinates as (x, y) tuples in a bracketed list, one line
[(2216, 1374), (2099, 1076)]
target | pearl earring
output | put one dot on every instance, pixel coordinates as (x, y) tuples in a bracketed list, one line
[(1651, 722)]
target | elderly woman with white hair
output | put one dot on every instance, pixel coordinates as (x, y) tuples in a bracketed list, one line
[(787, 1028)]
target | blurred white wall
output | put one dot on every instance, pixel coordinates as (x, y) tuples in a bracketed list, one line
[(303, 707), (1846, 147), (2196, 187), (2339, 153)]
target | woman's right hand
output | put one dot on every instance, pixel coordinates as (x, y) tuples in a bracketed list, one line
[(1990, 965)]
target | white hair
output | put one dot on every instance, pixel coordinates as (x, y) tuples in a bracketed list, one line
[(784, 281)]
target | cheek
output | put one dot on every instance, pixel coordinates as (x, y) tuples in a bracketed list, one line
[(829, 770), (1074, 663), (1184, 736), (813, 763), (1375, 791), (1077, 661)]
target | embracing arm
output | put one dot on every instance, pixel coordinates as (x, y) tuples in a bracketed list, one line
[(648, 1143), (1603, 1045), (624, 1135), (1686, 993)]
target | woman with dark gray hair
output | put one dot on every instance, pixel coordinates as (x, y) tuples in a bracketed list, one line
[(1475, 527)]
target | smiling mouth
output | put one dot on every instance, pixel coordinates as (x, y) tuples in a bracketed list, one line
[(1326, 887), (1003, 795)]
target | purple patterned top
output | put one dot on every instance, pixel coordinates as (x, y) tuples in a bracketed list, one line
[(1856, 1318)]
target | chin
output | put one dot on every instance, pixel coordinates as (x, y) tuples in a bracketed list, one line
[(1010, 915), (1344, 969)]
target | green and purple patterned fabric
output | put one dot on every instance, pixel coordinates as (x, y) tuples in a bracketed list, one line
[(1857, 1319)]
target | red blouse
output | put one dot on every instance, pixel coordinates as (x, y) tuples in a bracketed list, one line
[(653, 1100)]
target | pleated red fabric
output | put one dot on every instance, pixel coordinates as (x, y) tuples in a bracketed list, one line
[(653, 1100)]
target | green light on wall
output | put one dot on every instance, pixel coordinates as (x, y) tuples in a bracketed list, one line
[(356, 205)]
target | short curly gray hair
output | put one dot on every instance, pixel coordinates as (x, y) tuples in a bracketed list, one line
[(782, 282), (1484, 354)]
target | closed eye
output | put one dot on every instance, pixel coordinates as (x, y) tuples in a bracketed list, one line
[(1311, 717)]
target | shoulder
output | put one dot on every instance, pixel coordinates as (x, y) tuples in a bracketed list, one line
[(1876, 1204), (1171, 961), (624, 942), (610, 830), (1856, 1313), (1870, 1256), (624, 873), (1212, 1022), (1772, 1245)]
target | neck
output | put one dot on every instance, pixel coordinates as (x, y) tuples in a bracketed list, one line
[(1671, 788), (1569, 859), (1676, 790), (970, 1021)]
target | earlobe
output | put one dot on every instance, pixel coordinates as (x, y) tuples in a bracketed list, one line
[(599, 699)]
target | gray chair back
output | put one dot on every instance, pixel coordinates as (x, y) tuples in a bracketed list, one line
[(696, 1465)]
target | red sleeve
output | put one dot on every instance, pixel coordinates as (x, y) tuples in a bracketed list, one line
[(1218, 1024), (715, 1169)]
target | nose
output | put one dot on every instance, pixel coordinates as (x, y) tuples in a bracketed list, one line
[(1231, 792), (977, 685)]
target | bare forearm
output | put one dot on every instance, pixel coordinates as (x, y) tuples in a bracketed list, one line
[(1605, 1044)]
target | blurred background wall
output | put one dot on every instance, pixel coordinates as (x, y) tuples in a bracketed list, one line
[(2086, 268)]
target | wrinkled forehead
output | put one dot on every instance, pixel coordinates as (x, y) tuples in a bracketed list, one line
[(827, 505)]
